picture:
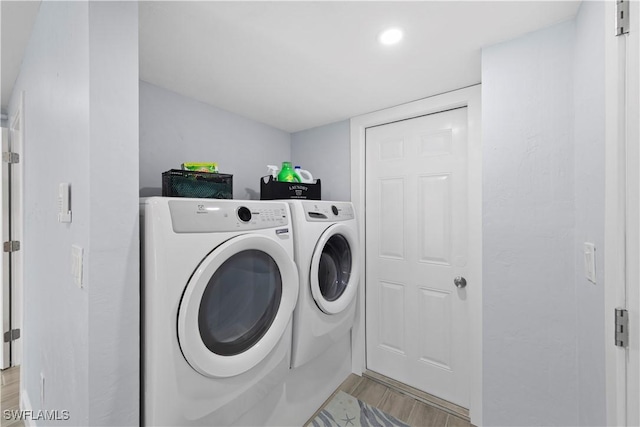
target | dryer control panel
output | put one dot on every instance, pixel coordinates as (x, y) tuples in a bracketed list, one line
[(204, 216), (328, 211)]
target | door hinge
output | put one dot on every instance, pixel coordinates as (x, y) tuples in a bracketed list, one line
[(622, 327), (622, 17), (11, 335), (11, 246), (9, 157)]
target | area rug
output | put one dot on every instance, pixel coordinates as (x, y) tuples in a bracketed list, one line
[(345, 410)]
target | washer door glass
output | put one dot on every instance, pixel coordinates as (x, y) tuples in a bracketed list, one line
[(240, 302), (335, 267)]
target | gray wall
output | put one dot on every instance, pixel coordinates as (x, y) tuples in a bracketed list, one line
[(176, 129), (543, 196), (114, 263), (529, 343), (589, 150), (80, 77), (325, 152)]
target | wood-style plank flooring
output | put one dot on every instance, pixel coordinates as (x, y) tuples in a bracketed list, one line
[(10, 395), (414, 412)]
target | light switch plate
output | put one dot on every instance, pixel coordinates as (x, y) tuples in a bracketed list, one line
[(64, 204), (77, 264), (590, 262)]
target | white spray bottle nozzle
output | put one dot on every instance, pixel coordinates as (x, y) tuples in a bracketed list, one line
[(273, 170)]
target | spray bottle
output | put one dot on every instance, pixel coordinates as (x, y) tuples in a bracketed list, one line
[(273, 171)]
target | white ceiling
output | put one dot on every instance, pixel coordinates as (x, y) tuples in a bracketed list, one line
[(298, 65), (17, 21)]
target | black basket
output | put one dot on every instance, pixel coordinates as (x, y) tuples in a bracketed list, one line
[(273, 190), (204, 185)]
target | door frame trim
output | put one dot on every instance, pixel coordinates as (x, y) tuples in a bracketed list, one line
[(5, 310), (469, 97), (622, 216)]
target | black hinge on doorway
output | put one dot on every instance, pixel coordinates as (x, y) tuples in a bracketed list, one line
[(622, 327), (622, 17), (11, 335)]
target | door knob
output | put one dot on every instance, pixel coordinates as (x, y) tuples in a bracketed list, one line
[(460, 282)]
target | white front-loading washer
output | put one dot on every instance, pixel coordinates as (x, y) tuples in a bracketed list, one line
[(327, 256), (218, 292)]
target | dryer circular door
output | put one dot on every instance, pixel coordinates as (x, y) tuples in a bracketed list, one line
[(237, 305), (334, 269)]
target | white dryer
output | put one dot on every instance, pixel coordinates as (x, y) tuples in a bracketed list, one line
[(218, 292), (327, 256)]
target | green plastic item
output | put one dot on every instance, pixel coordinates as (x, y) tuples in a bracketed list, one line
[(288, 174), (201, 167)]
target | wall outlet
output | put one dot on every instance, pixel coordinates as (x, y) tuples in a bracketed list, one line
[(590, 262), (41, 389), (77, 264)]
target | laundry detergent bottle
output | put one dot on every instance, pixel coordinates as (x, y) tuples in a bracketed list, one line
[(305, 175), (287, 174)]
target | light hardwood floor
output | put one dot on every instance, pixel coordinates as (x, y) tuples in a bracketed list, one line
[(10, 380), (394, 402)]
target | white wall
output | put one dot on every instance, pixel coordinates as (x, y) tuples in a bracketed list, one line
[(325, 152), (543, 197), (114, 258), (589, 150), (55, 78), (176, 129), (80, 78), (529, 331)]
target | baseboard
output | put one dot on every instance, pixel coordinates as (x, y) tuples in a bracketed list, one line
[(25, 405), (419, 395)]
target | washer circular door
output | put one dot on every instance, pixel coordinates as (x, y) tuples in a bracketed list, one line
[(237, 305), (334, 269)]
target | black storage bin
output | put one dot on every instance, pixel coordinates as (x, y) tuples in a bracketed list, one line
[(207, 185), (272, 190)]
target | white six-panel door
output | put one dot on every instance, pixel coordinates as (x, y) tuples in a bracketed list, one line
[(416, 234)]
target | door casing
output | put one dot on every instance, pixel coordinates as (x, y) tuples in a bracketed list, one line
[(622, 214), (16, 138), (469, 97), (5, 310)]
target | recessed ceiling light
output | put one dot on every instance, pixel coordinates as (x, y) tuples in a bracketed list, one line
[(390, 36)]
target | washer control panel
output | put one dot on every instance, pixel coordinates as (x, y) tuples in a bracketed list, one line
[(208, 216), (328, 211)]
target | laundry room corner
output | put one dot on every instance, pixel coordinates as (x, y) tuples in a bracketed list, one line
[(324, 150), (175, 129), (326, 213)]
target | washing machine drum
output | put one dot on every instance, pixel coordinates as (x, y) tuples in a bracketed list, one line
[(334, 269), (241, 295)]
